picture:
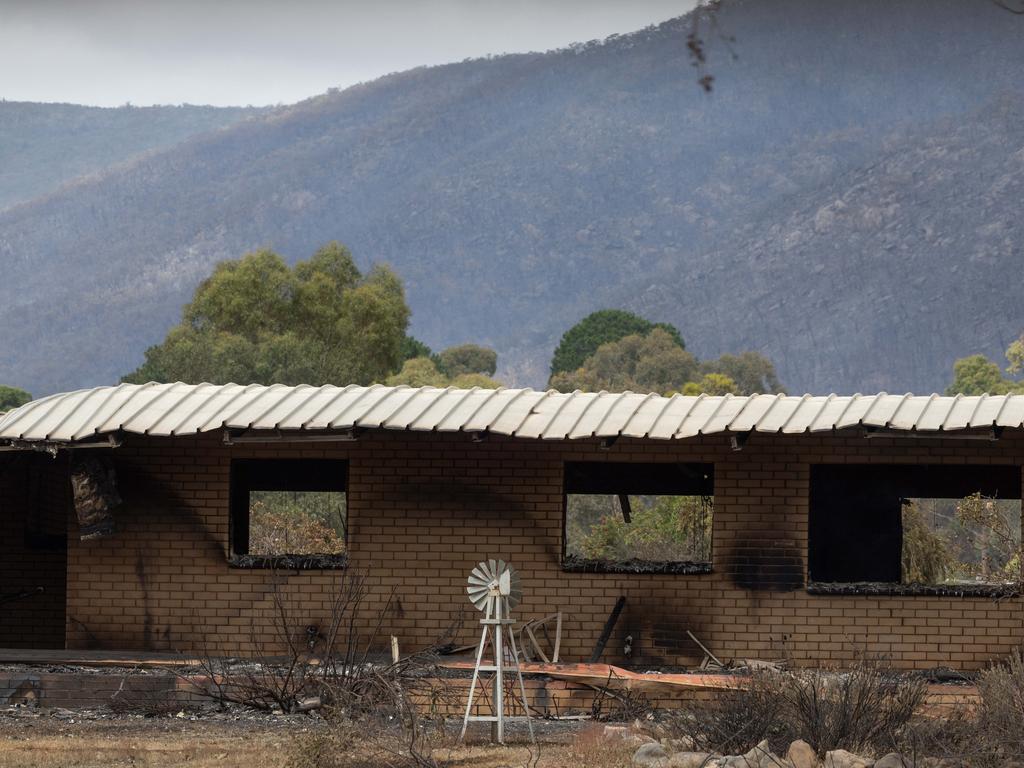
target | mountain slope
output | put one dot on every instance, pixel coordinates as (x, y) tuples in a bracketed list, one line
[(45, 145), (515, 194)]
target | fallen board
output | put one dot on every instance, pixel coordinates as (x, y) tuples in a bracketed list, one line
[(603, 674)]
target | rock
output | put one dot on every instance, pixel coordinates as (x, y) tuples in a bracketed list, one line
[(801, 755), (680, 744), (625, 734), (689, 760), (761, 756), (840, 758), (894, 760), (651, 755)]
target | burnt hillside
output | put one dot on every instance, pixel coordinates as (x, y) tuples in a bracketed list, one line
[(844, 201), (45, 145)]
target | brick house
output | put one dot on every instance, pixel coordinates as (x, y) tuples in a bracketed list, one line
[(806, 558)]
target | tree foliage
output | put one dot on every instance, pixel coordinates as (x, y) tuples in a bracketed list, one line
[(926, 558), (973, 539), (655, 361), (12, 397), (297, 523), (749, 372), (467, 358), (256, 320), (977, 375), (424, 372), (651, 362), (662, 528), (601, 327)]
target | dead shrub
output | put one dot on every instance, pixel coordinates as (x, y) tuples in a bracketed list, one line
[(738, 719), (371, 708), (1001, 715), (346, 743), (618, 705), (592, 749), (867, 707)]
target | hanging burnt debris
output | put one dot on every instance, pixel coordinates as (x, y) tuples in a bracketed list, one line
[(94, 485)]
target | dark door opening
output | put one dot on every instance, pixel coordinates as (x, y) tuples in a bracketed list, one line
[(34, 508)]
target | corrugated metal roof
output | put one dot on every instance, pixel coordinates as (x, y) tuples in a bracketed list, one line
[(185, 409)]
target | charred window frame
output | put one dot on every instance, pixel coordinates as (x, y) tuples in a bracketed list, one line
[(856, 524), (633, 489), (255, 478)]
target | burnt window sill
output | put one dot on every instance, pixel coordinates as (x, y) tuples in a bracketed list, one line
[(289, 562), (879, 589), (573, 564)]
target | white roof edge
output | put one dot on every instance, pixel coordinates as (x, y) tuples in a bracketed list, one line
[(138, 408)]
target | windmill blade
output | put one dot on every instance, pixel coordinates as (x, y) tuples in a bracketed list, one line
[(492, 580)]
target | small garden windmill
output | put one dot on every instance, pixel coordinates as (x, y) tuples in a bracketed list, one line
[(494, 589)]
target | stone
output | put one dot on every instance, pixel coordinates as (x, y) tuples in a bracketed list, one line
[(840, 758), (689, 760), (651, 755), (679, 744), (625, 734), (801, 755)]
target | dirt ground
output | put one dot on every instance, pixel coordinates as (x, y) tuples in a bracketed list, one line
[(66, 739)]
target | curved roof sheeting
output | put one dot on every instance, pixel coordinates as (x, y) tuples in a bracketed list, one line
[(186, 409)]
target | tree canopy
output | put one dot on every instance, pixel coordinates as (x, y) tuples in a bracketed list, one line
[(257, 320), (12, 397), (655, 361), (601, 327), (467, 358), (977, 375), (463, 366)]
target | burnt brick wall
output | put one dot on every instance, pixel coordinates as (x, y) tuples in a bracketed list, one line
[(34, 508), (424, 508)]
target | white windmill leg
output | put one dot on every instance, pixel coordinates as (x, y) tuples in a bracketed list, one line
[(522, 685), (476, 674), (499, 686)]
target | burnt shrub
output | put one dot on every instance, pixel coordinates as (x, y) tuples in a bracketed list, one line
[(865, 708), (1001, 714)]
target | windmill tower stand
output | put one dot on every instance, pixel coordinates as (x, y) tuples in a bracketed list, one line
[(494, 589)]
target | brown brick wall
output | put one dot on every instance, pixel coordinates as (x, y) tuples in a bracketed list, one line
[(424, 508), (34, 503)]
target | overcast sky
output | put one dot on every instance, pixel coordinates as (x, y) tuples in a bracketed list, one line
[(108, 52)]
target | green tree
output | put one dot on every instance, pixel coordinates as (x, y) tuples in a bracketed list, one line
[(12, 397), (601, 327), (712, 384), (256, 320), (662, 528), (642, 363), (977, 375), (1015, 356), (423, 372), (413, 347), (467, 358), (750, 372), (926, 558), (418, 372)]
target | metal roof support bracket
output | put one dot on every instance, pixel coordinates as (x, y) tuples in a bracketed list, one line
[(738, 441), (993, 435), (53, 447), (244, 436)]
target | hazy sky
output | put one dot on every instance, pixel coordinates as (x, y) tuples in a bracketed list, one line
[(108, 52)]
